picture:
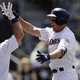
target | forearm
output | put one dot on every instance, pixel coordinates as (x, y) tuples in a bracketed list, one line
[(26, 25), (18, 31), (45, 57), (29, 28), (56, 54)]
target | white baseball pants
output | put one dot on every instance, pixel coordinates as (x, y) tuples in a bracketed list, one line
[(67, 74)]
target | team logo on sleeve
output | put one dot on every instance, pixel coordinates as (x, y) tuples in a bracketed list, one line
[(54, 41)]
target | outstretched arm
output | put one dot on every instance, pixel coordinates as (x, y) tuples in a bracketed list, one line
[(18, 31), (29, 28)]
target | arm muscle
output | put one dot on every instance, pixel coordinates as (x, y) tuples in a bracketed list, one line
[(29, 28), (18, 32)]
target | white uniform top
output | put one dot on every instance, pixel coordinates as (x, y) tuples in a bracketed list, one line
[(6, 48), (55, 40)]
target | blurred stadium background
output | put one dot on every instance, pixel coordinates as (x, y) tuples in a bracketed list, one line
[(23, 65)]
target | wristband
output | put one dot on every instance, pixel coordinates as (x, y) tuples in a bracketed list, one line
[(14, 20), (48, 57), (64, 51)]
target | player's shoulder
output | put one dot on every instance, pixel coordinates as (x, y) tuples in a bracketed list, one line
[(5, 42), (69, 32)]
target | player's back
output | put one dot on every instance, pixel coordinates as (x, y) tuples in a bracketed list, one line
[(6, 48)]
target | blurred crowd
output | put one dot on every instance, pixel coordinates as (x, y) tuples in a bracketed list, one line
[(27, 71), (27, 68)]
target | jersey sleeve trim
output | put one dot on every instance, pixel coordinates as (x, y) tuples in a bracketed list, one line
[(44, 34)]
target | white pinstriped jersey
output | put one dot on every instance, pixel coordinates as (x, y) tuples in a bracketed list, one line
[(6, 48), (55, 40)]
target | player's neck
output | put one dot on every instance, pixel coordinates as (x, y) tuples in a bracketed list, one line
[(59, 28)]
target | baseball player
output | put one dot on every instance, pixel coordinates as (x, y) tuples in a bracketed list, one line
[(9, 45), (61, 44)]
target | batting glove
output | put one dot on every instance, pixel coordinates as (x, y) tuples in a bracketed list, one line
[(42, 57), (7, 11)]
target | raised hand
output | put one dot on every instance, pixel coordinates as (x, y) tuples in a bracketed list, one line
[(7, 10)]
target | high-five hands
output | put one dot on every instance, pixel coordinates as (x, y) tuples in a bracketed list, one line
[(7, 11)]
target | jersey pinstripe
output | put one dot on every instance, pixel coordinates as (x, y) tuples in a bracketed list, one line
[(55, 40), (6, 48), (68, 74)]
